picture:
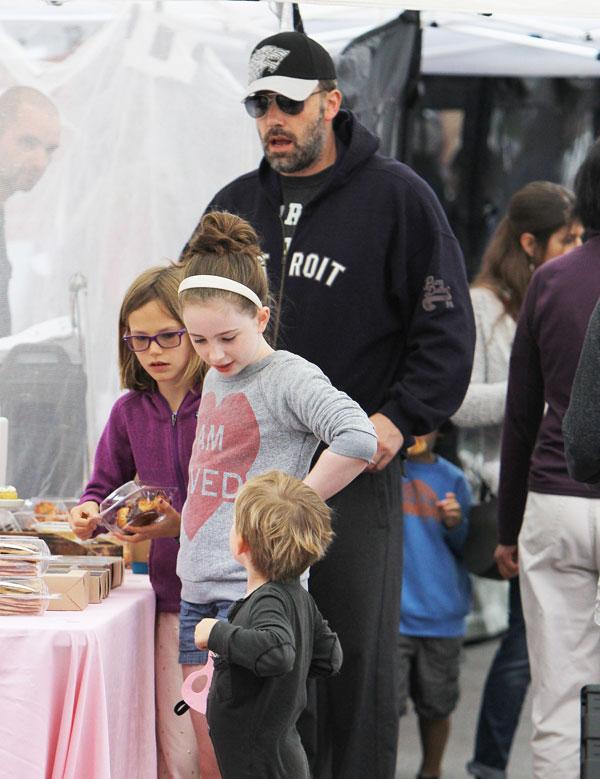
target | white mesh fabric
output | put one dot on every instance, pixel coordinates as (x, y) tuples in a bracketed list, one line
[(152, 127)]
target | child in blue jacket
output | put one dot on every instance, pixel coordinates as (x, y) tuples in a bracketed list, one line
[(435, 595)]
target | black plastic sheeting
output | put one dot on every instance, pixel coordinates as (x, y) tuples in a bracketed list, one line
[(377, 74), (477, 140)]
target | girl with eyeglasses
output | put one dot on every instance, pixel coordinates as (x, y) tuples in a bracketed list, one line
[(149, 435)]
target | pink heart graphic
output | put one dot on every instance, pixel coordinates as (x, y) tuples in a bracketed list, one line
[(226, 446)]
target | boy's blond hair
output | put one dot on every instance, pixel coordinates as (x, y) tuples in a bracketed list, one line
[(284, 522)]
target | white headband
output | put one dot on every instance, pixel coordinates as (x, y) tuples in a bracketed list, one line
[(220, 282)]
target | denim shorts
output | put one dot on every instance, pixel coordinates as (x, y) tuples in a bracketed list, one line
[(189, 616)]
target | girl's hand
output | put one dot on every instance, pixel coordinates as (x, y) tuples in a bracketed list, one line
[(449, 509), (507, 560), (84, 519), (168, 527), (202, 632)]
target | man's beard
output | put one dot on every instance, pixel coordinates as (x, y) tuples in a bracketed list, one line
[(302, 155)]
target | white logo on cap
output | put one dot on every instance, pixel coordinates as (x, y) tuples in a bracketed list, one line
[(268, 58)]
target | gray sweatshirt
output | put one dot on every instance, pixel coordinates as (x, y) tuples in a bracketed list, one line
[(272, 414)]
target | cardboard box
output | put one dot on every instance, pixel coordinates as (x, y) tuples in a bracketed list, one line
[(114, 565), (95, 583), (104, 584), (73, 587)]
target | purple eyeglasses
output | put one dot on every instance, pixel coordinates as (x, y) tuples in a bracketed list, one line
[(139, 343)]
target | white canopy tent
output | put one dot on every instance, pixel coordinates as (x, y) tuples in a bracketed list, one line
[(148, 94)]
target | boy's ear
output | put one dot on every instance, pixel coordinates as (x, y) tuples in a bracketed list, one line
[(241, 546)]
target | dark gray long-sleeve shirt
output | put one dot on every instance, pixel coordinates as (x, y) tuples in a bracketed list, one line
[(274, 640)]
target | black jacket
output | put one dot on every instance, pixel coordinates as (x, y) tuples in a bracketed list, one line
[(374, 287), (274, 640)]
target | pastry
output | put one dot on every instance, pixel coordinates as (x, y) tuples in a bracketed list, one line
[(47, 511), (44, 507), (8, 492), (122, 515)]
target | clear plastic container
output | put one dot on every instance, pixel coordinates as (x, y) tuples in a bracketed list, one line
[(8, 523), (24, 519), (50, 509), (21, 595), (23, 556), (133, 505)]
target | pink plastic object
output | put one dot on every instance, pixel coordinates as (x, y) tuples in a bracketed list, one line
[(194, 690)]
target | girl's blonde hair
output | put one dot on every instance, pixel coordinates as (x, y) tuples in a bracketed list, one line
[(286, 525), (225, 245), (158, 284)]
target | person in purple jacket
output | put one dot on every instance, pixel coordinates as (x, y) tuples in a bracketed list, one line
[(548, 521), (149, 435)]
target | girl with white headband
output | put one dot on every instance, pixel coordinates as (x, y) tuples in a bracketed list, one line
[(261, 409)]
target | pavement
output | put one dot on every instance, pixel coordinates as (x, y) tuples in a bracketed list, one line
[(476, 661)]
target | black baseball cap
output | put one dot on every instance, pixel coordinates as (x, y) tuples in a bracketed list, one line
[(289, 63)]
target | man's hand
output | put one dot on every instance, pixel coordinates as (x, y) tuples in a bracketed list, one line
[(168, 527), (202, 632), (507, 560), (449, 509), (84, 519), (389, 442)]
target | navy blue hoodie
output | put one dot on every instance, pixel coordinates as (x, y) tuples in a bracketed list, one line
[(374, 287)]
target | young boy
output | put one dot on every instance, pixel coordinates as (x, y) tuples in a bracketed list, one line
[(435, 595), (275, 637)]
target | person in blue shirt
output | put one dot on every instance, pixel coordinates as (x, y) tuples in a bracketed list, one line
[(435, 595)]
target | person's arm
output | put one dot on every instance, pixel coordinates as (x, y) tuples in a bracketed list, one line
[(455, 515), (524, 410), (581, 423), (332, 472), (428, 278), (309, 402), (267, 648), (484, 402), (113, 465), (327, 651)]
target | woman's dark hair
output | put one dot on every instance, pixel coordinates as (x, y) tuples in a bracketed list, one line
[(540, 208), (587, 189)]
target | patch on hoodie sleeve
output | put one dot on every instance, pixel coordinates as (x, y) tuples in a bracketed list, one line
[(435, 291)]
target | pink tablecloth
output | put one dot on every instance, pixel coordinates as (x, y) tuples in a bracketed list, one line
[(77, 690)]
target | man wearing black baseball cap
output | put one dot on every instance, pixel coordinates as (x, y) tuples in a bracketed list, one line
[(370, 285)]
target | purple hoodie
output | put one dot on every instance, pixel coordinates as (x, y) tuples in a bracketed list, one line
[(144, 437)]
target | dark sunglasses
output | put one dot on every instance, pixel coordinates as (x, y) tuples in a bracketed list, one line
[(139, 343), (258, 105)]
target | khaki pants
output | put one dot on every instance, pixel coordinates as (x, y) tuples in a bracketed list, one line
[(175, 740), (559, 553)]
